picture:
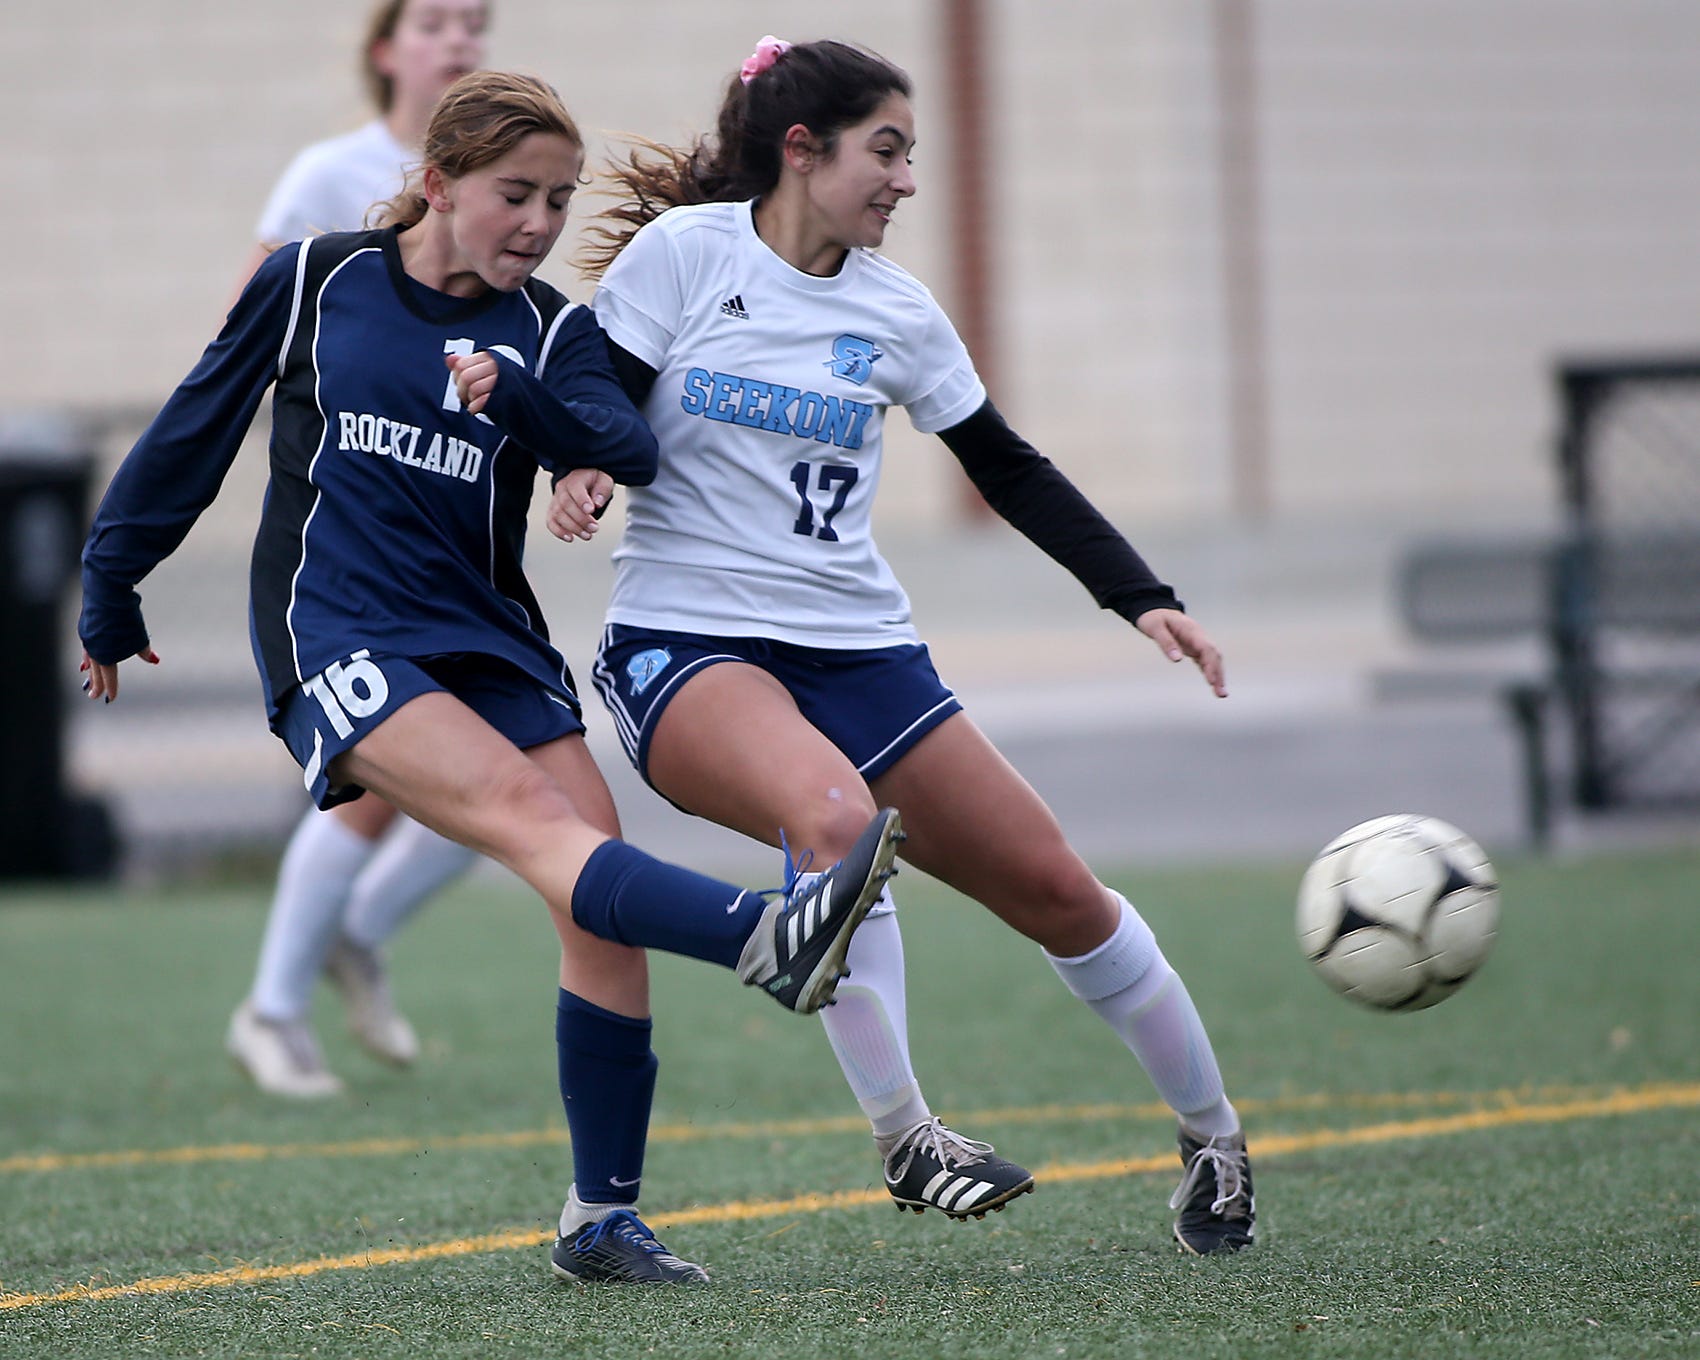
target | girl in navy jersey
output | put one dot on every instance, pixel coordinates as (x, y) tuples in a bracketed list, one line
[(421, 376), (765, 340), (350, 877)]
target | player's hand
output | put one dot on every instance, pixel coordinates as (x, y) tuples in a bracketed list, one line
[(475, 376), (578, 498), (1179, 635), (102, 682)]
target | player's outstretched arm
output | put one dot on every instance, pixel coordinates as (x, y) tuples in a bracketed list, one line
[(175, 470), (1029, 491)]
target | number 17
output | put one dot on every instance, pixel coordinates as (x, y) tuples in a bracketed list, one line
[(837, 478)]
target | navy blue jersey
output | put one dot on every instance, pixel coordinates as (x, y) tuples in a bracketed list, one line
[(393, 520)]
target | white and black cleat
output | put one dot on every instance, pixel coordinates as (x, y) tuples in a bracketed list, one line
[(934, 1167), (796, 954)]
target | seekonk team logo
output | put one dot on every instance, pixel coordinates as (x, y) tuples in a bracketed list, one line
[(644, 667), (853, 358)]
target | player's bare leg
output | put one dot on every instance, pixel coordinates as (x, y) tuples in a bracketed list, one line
[(511, 806), (797, 781), (975, 823), (547, 814)]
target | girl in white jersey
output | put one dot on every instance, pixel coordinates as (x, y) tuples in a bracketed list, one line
[(351, 877), (766, 340)]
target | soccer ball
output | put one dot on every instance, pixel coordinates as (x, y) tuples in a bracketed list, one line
[(1398, 912)]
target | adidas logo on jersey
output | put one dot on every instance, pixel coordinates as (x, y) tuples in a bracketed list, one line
[(734, 306)]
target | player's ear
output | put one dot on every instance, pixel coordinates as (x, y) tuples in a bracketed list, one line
[(436, 187), (800, 148), (378, 57)]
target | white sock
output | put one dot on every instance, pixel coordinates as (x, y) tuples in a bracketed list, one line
[(313, 883), (868, 1027), (411, 864), (576, 1215), (1129, 985)]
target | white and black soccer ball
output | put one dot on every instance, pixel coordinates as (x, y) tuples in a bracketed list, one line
[(1398, 912)]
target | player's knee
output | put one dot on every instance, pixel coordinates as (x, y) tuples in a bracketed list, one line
[(368, 816), (614, 976), (522, 803), (830, 825), (1059, 898)]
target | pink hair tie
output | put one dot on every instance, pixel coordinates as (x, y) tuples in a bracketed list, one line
[(768, 51)]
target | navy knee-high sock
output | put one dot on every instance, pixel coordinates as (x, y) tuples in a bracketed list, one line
[(607, 1071), (629, 897)]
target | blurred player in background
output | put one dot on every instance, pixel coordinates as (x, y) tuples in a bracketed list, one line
[(765, 339), (351, 877), (413, 51), (421, 374)]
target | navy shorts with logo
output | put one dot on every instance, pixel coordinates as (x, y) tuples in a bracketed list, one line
[(329, 713), (873, 704)]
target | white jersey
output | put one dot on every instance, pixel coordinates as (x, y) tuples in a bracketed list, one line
[(332, 185), (769, 406)]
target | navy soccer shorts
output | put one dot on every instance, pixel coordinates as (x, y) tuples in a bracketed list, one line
[(873, 704), (333, 710)]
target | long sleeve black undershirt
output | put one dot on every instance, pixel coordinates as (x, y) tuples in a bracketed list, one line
[(1027, 490), (635, 376)]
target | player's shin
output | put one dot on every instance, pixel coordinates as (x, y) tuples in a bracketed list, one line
[(607, 1070), (1129, 985), (313, 883), (926, 1164), (868, 1027), (412, 865)]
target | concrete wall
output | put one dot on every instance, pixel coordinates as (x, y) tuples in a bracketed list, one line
[(1448, 193)]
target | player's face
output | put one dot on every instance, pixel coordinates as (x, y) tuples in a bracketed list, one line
[(435, 43), (507, 216), (858, 188)]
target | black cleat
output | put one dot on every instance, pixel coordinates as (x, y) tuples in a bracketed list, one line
[(933, 1167), (1218, 1211), (620, 1249), (796, 954)]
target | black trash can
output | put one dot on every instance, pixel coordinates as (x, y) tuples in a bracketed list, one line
[(46, 831)]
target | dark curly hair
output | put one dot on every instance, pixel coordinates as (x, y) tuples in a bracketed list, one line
[(825, 86)]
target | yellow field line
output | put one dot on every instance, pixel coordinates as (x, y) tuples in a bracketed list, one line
[(1637, 1100), (22, 1163)]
